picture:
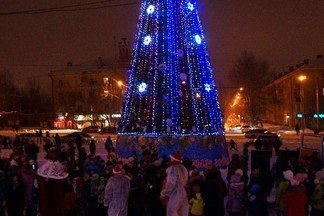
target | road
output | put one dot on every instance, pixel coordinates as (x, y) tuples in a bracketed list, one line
[(290, 141)]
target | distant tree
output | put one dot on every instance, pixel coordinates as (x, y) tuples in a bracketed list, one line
[(251, 73), (34, 100), (9, 94)]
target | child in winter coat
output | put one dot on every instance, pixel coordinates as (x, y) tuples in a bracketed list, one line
[(295, 197), (318, 194), (196, 202), (235, 194), (283, 184)]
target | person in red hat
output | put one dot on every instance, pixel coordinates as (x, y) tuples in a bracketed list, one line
[(117, 193), (177, 178)]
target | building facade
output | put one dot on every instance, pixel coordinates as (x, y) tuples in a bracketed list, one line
[(297, 96), (90, 93)]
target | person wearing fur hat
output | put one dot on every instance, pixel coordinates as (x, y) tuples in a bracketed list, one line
[(295, 197), (283, 184), (317, 201), (52, 181), (235, 194), (177, 178), (117, 193)]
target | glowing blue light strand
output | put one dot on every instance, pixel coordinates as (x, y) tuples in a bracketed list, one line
[(213, 104), (166, 26), (128, 100), (191, 75), (154, 92)]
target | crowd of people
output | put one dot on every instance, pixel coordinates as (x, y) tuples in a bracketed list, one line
[(76, 182)]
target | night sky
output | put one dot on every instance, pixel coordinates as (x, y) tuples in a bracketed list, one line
[(282, 32)]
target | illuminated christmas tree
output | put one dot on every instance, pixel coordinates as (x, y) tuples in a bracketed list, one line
[(170, 88)]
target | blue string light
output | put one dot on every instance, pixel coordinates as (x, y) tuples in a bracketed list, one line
[(171, 63)]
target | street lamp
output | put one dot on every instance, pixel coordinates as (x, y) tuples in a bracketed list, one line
[(120, 83), (301, 79), (317, 107)]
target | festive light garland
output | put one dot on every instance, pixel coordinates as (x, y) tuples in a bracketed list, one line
[(170, 86)]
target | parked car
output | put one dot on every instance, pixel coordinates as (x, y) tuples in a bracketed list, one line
[(266, 141), (257, 132), (91, 129), (235, 129), (109, 129), (246, 128), (72, 137)]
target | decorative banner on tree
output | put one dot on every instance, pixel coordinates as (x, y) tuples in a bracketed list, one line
[(171, 87), (201, 150)]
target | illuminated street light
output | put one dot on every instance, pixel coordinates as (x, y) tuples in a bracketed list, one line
[(120, 83), (302, 78), (236, 100), (241, 89)]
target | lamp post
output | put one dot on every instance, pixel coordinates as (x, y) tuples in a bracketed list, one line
[(317, 107), (301, 79)]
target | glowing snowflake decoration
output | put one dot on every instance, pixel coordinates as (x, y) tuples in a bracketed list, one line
[(207, 87), (190, 6), (150, 9), (198, 39), (142, 87), (147, 40)]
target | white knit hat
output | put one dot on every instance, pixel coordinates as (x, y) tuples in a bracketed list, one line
[(288, 175)]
